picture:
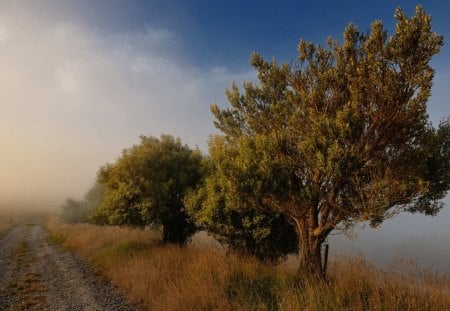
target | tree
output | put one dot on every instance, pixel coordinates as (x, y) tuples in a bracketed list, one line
[(74, 211), (340, 137), (94, 196), (147, 185), (245, 229)]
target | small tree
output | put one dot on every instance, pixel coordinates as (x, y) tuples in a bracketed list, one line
[(246, 230), (94, 196), (147, 185), (341, 137), (74, 211)]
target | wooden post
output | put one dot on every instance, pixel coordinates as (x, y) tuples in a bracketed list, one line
[(325, 259)]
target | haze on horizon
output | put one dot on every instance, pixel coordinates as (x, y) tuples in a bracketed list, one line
[(81, 81), (72, 97)]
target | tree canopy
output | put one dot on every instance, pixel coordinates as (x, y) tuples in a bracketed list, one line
[(147, 185), (246, 229), (341, 136)]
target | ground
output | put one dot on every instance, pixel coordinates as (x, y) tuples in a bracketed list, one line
[(36, 275)]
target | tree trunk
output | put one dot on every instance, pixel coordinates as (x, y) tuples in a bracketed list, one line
[(172, 233), (310, 268), (177, 230), (311, 260), (166, 234)]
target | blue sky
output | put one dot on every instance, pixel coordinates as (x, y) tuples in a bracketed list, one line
[(82, 79), (223, 34), (226, 32)]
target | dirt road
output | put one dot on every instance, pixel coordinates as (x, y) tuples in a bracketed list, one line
[(35, 275)]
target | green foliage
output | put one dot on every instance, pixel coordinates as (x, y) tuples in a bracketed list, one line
[(340, 137), (147, 185), (247, 230), (57, 238), (94, 196), (74, 211), (125, 248), (437, 172)]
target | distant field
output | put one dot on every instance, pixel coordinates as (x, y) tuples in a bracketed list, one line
[(9, 217), (4, 227), (202, 277)]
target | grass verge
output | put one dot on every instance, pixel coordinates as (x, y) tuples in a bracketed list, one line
[(159, 277), (5, 226)]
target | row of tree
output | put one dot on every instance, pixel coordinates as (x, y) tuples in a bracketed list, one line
[(340, 137)]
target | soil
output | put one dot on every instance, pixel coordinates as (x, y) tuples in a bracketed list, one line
[(36, 275)]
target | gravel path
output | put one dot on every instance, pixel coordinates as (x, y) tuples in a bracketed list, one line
[(34, 275)]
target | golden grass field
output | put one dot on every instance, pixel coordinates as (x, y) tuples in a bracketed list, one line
[(202, 277)]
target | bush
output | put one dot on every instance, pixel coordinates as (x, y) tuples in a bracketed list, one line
[(247, 231)]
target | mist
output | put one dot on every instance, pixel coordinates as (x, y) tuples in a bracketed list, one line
[(73, 97)]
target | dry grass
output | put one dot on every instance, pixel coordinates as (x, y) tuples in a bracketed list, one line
[(15, 216), (4, 228), (201, 277), (6, 223), (10, 217), (357, 284)]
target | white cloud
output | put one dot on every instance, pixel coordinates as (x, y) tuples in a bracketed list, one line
[(71, 98)]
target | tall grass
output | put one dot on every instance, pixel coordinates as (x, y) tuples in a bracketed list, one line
[(202, 277), (8, 220)]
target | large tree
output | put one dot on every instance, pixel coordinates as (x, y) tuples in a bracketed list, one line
[(147, 185), (340, 137)]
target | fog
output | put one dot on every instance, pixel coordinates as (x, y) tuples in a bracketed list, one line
[(409, 236), (72, 96)]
